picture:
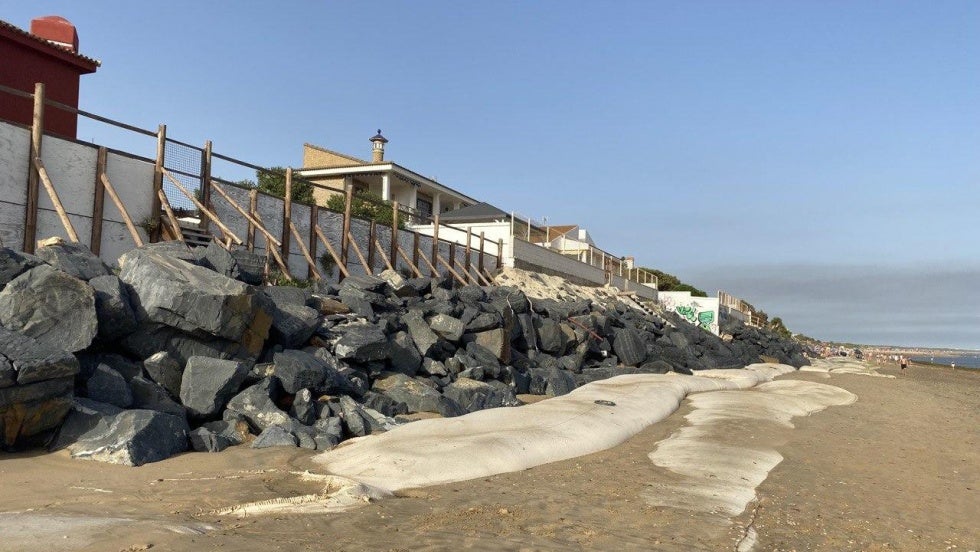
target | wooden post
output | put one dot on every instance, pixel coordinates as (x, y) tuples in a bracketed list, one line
[(384, 258), (98, 206), (348, 199), (452, 255), (250, 217), (415, 250), (371, 240), (467, 263), (310, 263), (394, 233), (415, 269), (287, 213), (314, 218), (500, 252), (158, 183), (336, 258), (33, 179), (204, 210), (206, 182), (253, 200), (483, 241), (174, 223), (435, 242), (109, 189), (360, 256), (53, 194)]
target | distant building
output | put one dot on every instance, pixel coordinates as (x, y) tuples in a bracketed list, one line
[(48, 54), (335, 171)]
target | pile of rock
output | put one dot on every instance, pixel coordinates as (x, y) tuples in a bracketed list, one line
[(182, 351)]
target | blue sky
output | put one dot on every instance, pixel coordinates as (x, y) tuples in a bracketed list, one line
[(787, 152)]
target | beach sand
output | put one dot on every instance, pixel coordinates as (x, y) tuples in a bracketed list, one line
[(899, 469)]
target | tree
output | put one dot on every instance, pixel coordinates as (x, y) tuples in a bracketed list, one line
[(669, 282), (365, 205), (777, 326), (273, 182)]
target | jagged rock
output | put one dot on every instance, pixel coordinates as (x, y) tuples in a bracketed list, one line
[(629, 347), (416, 396), (550, 337), (14, 263), (358, 301), (384, 404), (52, 307), (328, 305), (484, 321), (287, 295), (275, 436), (150, 339), (329, 432), (256, 405), (251, 266), (361, 421), (405, 358), (74, 259), (304, 407), (293, 325), (496, 341), (133, 438), (551, 382), (233, 427), (678, 339), (474, 395), (298, 370), (447, 327), (108, 386), (362, 343), (218, 259), (208, 384), (366, 283), (194, 299), (655, 367), (27, 411), (24, 360), (425, 339), (433, 367), (203, 439), (340, 379), (165, 370), (526, 337), (149, 395), (113, 308), (84, 416)]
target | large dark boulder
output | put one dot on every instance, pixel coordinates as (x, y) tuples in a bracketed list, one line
[(74, 259), (108, 386), (28, 411), (447, 327), (473, 395), (194, 299), (425, 339), (405, 357), (257, 406), (551, 382), (150, 339), (113, 308), (209, 383), (133, 438), (629, 347), (362, 343), (298, 370), (52, 307), (417, 396), (150, 395), (218, 259), (14, 263), (25, 360), (550, 337), (165, 370)]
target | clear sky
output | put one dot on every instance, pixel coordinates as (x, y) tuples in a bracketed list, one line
[(820, 159)]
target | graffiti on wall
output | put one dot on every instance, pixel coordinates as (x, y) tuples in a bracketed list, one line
[(702, 316)]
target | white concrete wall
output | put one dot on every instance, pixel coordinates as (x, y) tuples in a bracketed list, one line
[(700, 311)]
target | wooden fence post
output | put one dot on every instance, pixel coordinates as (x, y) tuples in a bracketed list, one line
[(467, 264), (206, 182), (314, 219), (370, 255), (158, 184), (33, 178), (287, 213), (452, 255), (435, 242), (483, 239), (415, 250), (253, 200), (394, 233), (500, 252), (98, 206), (348, 199)]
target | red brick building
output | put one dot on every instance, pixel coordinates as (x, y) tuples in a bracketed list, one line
[(48, 54)]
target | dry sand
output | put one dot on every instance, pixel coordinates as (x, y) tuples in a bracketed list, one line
[(899, 469)]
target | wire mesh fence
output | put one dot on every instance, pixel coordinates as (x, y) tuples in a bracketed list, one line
[(185, 164)]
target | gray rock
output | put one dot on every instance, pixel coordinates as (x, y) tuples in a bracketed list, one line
[(165, 370), (194, 299), (447, 327), (108, 386), (550, 337), (235, 428), (149, 339), (361, 421), (365, 283), (150, 395), (425, 339), (362, 343), (293, 325), (384, 404), (218, 259), (298, 370), (74, 259), (551, 382), (496, 341), (134, 438), (485, 321), (52, 307), (251, 266), (209, 383), (204, 440), (416, 396), (474, 395), (405, 357), (84, 416), (629, 347), (113, 308), (433, 367), (329, 432), (256, 405), (679, 340), (655, 367), (358, 301), (275, 436), (304, 407), (25, 360), (14, 263), (27, 411), (287, 295)]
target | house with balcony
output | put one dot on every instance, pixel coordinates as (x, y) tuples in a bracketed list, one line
[(333, 172)]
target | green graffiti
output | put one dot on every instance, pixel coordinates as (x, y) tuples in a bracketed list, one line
[(706, 319), (689, 313)]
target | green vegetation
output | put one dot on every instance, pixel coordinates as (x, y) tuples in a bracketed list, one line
[(365, 205), (776, 325), (669, 282), (273, 182)]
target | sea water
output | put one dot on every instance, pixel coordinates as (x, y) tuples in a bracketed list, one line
[(966, 360)]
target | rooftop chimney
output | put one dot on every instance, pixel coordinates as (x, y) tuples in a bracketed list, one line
[(56, 29), (378, 152)]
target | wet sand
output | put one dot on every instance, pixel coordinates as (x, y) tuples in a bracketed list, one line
[(897, 470)]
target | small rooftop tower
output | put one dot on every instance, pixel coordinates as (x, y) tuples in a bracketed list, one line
[(378, 152), (56, 29)]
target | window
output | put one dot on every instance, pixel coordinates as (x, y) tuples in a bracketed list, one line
[(423, 205)]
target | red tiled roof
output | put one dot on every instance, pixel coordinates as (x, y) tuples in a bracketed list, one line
[(16, 33)]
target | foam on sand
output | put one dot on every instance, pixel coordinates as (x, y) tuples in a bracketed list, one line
[(489, 442), (843, 365)]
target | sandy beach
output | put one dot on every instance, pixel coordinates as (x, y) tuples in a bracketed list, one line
[(897, 469)]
